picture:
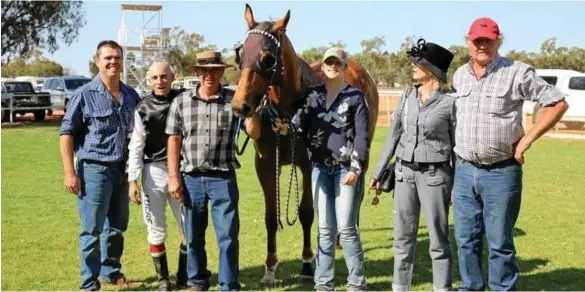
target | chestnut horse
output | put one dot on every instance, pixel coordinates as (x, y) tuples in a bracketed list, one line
[(273, 83)]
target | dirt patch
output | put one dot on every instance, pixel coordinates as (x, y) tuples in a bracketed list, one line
[(29, 120)]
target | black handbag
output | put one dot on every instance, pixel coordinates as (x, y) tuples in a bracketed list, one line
[(387, 177)]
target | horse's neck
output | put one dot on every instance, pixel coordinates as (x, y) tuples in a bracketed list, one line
[(298, 77)]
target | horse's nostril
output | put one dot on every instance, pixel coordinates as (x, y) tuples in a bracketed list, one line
[(246, 109)]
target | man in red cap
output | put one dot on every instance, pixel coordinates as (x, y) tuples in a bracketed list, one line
[(490, 143)]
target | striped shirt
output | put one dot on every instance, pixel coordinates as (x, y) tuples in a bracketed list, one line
[(208, 130), (99, 125), (489, 109)]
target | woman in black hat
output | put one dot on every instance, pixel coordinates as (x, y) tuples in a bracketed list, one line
[(422, 138)]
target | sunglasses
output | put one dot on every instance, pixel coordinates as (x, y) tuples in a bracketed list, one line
[(376, 199)]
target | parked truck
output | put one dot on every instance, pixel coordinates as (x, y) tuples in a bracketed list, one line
[(572, 84), (19, 97)]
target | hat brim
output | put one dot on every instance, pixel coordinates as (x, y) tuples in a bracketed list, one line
[(214, 66), (434, 69), (484, 34)]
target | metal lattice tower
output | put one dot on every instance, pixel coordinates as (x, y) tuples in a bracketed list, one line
[(142, 44)]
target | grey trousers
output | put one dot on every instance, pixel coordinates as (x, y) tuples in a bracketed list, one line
[(429, 188)]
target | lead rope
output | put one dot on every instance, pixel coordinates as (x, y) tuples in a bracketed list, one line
[(279, 222), (293, 172)]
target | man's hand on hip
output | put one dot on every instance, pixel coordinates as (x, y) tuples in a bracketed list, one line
[(520, 149)]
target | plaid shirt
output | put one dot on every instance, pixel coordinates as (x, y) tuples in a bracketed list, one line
[(208, 128), (98, 125), (489, 110)]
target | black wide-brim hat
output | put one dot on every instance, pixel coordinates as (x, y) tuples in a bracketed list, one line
[(432, 56)]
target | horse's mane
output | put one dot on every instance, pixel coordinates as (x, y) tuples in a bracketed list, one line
[(307, 77)]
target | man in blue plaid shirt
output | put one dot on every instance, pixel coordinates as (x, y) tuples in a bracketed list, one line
[(95, 127)]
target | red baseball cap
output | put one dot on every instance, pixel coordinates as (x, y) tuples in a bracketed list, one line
[(484, 28)]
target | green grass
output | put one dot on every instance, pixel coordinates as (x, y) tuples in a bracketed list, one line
[(40, 224)]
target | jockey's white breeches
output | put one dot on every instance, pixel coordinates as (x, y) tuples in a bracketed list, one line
[(154, 201)]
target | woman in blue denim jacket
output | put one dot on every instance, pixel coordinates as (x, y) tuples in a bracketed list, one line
[(335, 124)]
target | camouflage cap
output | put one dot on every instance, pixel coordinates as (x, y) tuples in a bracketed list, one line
[(337, 53)]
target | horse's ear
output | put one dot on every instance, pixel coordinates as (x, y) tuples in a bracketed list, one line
[(280, 26), (249, 16), (239, 52)]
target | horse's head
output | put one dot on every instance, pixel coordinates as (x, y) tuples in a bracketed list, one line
[(260, 58)]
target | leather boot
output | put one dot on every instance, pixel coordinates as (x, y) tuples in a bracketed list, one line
[(162, 272), (182, 271)]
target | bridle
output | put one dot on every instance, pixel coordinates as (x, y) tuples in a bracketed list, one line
[(272, 69)]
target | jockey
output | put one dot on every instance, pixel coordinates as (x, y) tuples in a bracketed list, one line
[(148, 154)]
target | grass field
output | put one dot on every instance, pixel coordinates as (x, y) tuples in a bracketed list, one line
[(40, 224)]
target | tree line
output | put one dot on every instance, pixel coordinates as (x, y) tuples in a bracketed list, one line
[(28, 27), (389, 69)]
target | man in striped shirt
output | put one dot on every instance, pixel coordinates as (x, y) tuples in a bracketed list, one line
[(96, 128), (201, 128), (490, 143)]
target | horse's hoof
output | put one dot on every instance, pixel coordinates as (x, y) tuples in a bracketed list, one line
[(269, 279), (306, 273), (303, 279)]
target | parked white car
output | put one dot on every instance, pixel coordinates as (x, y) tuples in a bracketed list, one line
[(572, 84)]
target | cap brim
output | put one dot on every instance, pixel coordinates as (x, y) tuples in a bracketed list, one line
[(334, 56), (489, 35)]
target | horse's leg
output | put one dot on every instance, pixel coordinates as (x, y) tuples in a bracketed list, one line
[(267, 177), (306, 216)]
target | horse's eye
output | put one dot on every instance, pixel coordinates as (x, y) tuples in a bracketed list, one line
[(267, 62)]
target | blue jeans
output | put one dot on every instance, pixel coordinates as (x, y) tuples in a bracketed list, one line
[(222, 190), (337, 207), (487, 201), (103, 211)]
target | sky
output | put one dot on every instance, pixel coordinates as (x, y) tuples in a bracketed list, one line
[(525, 25)]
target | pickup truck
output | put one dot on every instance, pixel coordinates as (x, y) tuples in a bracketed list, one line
[(572, 85), (19, 97)]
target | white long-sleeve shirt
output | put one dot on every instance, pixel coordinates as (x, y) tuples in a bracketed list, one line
[(136, 147)]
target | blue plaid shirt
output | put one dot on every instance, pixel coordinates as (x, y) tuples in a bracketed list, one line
[(98, 125)]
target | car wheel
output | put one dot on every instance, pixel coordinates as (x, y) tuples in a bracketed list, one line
[(39, 115)]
